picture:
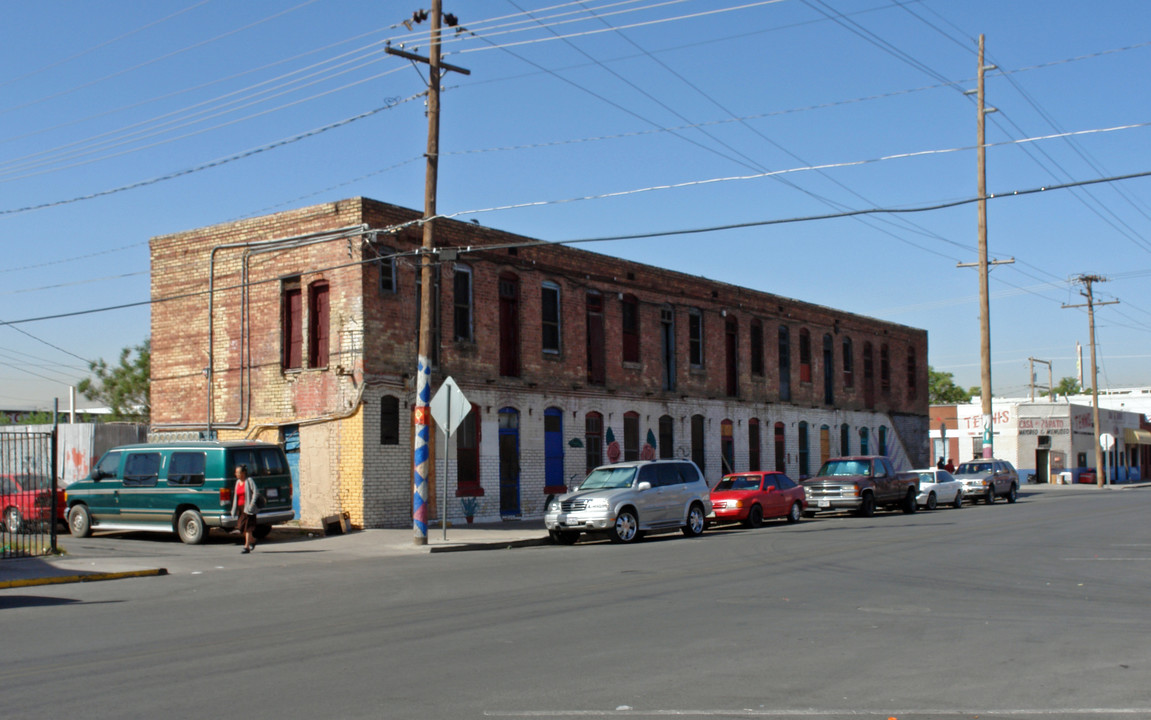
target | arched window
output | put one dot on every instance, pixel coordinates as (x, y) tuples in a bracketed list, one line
[(882, 440), (863, 441), (468, 455), (593, 440), (631, 436), (753, 461), (780, 448), (727, 446), (389, 420), (666, 437), (697, 451), (844, 439), (804, 468)]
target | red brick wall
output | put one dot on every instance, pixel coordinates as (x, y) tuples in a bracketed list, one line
[(387, 322)]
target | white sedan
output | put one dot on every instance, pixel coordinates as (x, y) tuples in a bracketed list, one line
[(938, 487)]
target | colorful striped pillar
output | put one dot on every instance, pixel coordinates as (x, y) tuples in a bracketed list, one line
[(420, 453)]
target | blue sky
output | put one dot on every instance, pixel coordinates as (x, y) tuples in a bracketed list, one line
[(123, 120)]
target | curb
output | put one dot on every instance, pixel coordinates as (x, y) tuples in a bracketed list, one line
[(90, 577), (509, 545)]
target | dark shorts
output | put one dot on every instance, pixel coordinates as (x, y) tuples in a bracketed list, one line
[(246, 523)]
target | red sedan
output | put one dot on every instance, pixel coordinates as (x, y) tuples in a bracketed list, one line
[(753, 496), (26, 501)]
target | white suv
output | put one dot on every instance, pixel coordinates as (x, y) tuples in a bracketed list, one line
[(627, 499)]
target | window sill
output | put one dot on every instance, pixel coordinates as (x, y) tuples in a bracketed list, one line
[(469, 490)]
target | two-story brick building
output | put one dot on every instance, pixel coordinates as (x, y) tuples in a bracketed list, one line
[(301, 328)]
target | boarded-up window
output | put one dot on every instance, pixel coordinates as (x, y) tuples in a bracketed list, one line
[(596, 363), (550, 317), (292, 325), (630, 319), (319, 322)]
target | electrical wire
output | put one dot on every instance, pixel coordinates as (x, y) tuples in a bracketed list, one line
[(577, 241), (218, 162)]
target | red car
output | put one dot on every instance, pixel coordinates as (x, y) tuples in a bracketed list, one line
[(27, 501), (753, 496)]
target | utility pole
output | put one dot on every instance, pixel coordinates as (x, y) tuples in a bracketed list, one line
[(984, 297), (422, 412), (1031, 370), (1088, 280)]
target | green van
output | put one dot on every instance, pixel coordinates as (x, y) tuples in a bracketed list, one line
[(180, 487)]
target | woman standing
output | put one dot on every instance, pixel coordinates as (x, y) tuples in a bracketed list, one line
[(244, 497)]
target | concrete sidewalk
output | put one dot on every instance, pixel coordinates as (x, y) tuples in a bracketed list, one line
[(78, 566)]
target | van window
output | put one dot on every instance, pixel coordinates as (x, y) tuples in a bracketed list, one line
[(142, 469), (108, 467), (273, 462), (186, 468), (267, 461)]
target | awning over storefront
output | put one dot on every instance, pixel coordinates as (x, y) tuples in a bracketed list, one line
[(1133, 436)]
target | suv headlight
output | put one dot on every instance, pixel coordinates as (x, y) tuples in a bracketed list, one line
[(554, 506)]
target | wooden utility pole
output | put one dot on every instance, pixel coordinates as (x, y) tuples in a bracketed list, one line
[(422, 414), (1088, 280), (984, 295), (1031, 370)]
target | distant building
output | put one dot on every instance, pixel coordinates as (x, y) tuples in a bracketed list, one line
[(1045, 438), (300, 328)]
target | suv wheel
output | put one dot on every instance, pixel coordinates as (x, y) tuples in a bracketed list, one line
[(626, 527), (867, 505), (1012, 494), (696, 522), (989, 498)]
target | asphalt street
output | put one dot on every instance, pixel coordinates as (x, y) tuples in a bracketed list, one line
[(1030, 610)]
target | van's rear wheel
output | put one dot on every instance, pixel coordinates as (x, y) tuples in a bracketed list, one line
[(191, 528), (79, 522)]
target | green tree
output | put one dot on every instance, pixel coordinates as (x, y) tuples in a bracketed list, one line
[(124, 388), (1069, 386), (942, 390)]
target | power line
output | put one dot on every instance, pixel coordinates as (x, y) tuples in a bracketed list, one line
[(221, 161), (637, 236)]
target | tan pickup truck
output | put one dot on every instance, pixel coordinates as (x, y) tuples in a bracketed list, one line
[(860, 484)]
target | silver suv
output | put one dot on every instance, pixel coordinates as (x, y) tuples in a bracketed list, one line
[(986, 479), (627, 499)]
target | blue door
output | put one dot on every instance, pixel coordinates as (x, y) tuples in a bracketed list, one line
[(554, 451), (292, 450), (509, 462)]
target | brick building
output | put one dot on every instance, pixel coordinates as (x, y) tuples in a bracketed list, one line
[(301, 328)]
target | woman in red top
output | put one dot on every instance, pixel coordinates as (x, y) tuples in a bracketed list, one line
[(244, 498)]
